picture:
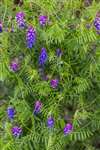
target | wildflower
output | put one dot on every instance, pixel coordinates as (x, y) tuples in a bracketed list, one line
[(54, 83), (43, 56), (58, 52), (14, 66), (50, 122), (16, 131), (11, 112), (20, 19), (43, 20), (68, 128), (97, 23), (30, 37), (38, 106), (1, 27)]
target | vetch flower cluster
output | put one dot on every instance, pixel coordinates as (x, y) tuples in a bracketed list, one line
[(54, 83), (1, 27), (30, 37), (16, 131), (43, 57), (97, 23), (68, 128), (43, 20), (50, 122), (20, 19), (14, 65), (10, 113), (58, 52), (38, 106)]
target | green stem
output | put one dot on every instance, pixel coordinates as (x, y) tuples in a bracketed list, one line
[(5, 2)]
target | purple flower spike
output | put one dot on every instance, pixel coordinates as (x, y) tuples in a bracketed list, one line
[(43, 56), (97, 23), (30, 37), (20, 20), (58, 52), (38, 106), (1, 27), (68, 128), (54, 83), (50, 122), (16, 131), (14, 66), (43, 20), (11, 112)]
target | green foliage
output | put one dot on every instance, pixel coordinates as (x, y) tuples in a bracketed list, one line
[(77, 98)]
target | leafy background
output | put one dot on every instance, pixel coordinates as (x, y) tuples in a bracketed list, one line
[(77, 98)]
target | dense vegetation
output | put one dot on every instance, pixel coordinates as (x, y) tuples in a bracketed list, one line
[(50, 75)]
